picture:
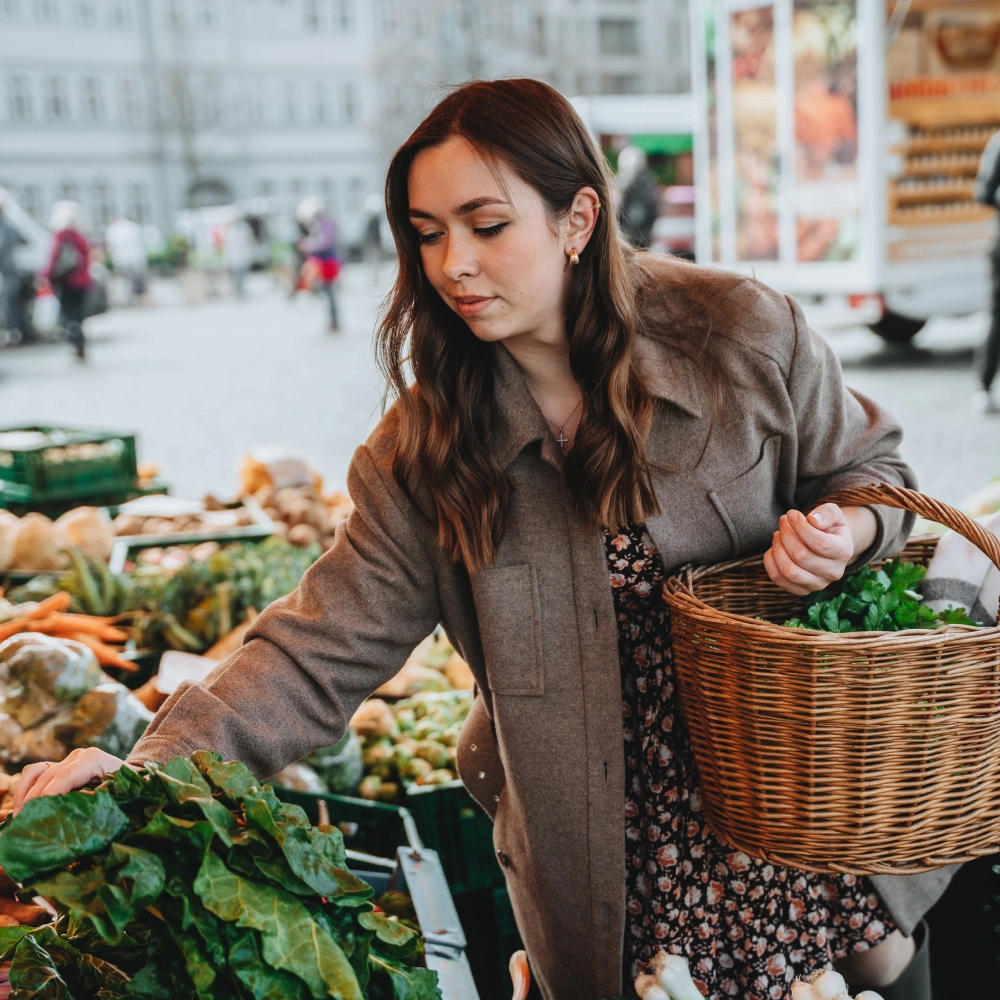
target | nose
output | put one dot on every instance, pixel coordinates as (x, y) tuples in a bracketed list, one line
[(459, 258)]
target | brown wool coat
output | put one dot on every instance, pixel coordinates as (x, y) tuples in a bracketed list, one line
[(542, 751)]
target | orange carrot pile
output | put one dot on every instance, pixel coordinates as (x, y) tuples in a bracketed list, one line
[(51, 617)]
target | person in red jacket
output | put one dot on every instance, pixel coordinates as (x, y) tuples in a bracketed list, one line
[(68, 270)]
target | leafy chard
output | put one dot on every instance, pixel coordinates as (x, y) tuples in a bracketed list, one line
[(189, 881), (870, 600)]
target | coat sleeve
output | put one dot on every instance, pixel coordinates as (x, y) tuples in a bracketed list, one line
[(844, 438), (312, 657)]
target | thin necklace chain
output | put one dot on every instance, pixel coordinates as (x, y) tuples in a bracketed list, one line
[(560, 440)]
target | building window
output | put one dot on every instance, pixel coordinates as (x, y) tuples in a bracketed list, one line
[(84, 12), (92, 99), (321, 103), (290, 99), (46, 10), (31, 201), (102, 203), (207, 14), (19, 99), (621, 83), (10, 10), (356, 194), (56, 99), (311, 16), (328, 188), (348, 102), (137, 203), (119, 14), (343, 15), (618, 37), (130, 101), (295, 188)]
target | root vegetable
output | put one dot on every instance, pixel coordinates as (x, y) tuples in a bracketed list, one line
[(39, 544), (520, 975), (128, 524), (303, 535), (90, 530), (672, 974), (649, 989), (10, 525), (374, 718), (828, 985)]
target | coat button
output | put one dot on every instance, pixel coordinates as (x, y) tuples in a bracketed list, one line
[(503, 859)]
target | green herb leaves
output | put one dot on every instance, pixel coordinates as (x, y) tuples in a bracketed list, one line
[(189, 881), (871, 600)]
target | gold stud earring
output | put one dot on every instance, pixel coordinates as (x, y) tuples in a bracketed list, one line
[(574, 258)]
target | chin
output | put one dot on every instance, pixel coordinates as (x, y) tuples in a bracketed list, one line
[(489, 332)]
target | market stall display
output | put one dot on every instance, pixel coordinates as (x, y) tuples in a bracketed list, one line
[(35, 543), (191, 879)]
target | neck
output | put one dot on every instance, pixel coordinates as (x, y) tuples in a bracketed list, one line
[(543, 359)]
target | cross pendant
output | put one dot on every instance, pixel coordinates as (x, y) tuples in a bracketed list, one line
[(561, 441)]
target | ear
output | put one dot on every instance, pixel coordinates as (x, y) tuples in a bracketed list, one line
[(581, 220)]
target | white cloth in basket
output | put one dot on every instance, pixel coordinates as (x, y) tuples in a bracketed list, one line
[(961, 575)]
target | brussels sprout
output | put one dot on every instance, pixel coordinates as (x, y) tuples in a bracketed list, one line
[(402, 755), (450, 736), (385, 768), (388, 792), (432, 752), (370, 787), (439, 776), (427, 729), (376, 753), (416, 769), (406, 718)]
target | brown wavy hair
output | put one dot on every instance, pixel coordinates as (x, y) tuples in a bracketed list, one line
[(448, 419)]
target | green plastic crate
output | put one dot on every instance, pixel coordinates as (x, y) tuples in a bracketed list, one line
[(72, 465), (368, 827), (451, 822)]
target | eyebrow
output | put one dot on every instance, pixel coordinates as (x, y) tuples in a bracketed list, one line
[(469, 206)]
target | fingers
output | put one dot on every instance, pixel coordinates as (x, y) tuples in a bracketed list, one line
[(78, 769), (821, 533), (787, 574)]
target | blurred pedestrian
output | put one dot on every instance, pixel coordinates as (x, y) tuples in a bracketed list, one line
[(319, 247), (987, 186), (638, 204), (10, 278), (68, 271), (127, 250), (237, 251)]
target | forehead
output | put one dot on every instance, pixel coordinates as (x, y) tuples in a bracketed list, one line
[(452, 174)]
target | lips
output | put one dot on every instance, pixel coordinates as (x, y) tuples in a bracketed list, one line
[(471, 305)]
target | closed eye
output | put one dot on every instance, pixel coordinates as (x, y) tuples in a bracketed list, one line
[(490, 231), (429, 237)]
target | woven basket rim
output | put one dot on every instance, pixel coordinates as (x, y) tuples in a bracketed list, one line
[(809, 636)]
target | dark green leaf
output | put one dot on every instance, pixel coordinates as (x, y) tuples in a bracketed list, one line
[(183, 783), (35, 973), (53, 830), (391, 937), (194, 916), (256, 975), (164, 976), (291, 939), (231, 778), (9, 936), (408, 983)]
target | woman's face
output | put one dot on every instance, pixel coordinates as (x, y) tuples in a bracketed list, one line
[(489, 249)]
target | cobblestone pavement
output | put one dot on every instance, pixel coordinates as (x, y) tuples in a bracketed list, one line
[(202, 384)]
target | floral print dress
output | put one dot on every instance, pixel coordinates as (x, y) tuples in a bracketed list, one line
[(746, 927)]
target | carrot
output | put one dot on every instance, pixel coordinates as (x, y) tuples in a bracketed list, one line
[(7, 629), (106, 633), (55, 604), (106, 655)]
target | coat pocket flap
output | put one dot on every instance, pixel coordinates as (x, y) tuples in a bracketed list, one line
[(509, 615)]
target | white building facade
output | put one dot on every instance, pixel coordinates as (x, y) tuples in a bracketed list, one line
[(143, 107)]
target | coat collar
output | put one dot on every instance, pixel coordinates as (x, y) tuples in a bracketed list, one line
[(669, 375)]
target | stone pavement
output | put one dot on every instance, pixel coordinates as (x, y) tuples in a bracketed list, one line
[(203, 384)]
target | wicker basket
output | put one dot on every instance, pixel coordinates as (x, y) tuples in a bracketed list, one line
[(870, 752)]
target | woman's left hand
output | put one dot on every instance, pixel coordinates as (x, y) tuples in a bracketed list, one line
[(809, 553)]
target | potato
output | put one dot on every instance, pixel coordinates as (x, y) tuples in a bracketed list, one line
[(90, 530), (128, 524), (39, 544), (280, 529), (303, 535), (10, 525)]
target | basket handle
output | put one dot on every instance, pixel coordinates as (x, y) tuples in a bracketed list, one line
[(884, 495)]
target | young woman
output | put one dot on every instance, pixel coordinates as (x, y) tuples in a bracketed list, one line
[(581, 421)]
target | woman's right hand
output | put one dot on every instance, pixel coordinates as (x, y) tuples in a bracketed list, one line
[(80, 768)]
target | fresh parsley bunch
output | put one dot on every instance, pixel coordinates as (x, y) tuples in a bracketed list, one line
[(189, 881), (884, 600)]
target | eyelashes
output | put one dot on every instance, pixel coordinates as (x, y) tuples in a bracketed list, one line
[(487, 232)]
